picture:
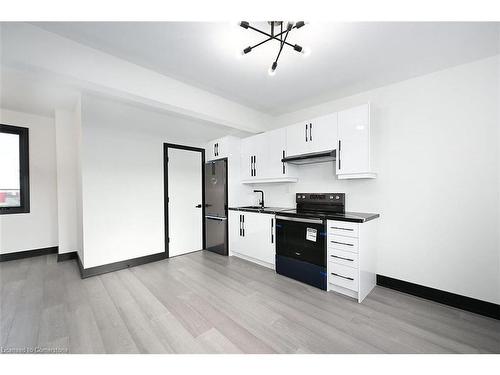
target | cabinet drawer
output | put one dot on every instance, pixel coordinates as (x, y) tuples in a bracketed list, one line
[(342, 243), (345, 258), (346, 277), (342, 228)]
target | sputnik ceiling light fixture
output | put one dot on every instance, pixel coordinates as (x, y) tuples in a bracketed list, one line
[(277, 33)]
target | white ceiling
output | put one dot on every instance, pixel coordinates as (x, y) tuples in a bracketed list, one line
[(34, 93), (346, 57)]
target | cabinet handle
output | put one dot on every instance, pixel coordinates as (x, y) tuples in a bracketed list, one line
[(306, 132), (342, 243), (243, 221), (283, 162), (344, 277), (272, 228), (217, 149), (240, 227), (251, 165), (255, 165), (336, 256), (310, 131), (348, 229), (340, 144)]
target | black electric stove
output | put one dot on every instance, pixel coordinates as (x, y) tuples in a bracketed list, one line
[(301, 237)]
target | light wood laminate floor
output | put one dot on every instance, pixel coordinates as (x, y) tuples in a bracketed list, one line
[(206, 303)]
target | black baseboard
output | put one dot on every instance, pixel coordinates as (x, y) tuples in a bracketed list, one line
[(28, 253), (67, 256), (99, 270), (488, 309)]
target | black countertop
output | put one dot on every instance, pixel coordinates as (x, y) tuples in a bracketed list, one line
[(265, 210), (354, 217)]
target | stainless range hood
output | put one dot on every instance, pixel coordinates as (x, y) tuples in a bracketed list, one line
[(312, 158)]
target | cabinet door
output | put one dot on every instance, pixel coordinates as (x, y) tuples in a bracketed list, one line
[(253, 157), (353, 149), (273, 152), (259, 156), (259, 237), (235, 235), (323, 133), (210, 151), (297, 139), (246, 162)]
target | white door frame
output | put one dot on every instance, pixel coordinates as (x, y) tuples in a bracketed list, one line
[(166, 146)]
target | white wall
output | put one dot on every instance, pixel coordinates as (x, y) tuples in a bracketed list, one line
[(69, 221), (122, 177), (436, 144), (38, 228)]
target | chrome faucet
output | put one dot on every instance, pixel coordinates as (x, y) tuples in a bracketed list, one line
[(262, 201)]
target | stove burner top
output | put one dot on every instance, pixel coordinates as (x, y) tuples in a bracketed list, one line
[(320, 203)]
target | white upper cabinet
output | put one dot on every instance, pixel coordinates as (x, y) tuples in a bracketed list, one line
[(297, 139), (253, 156), (316, 135), (225, 147), (261, 157), (353, 148), (276, 149), (216, 149), (323, 133)]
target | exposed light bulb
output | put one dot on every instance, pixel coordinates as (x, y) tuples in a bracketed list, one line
[(272, 69), (306, 51)]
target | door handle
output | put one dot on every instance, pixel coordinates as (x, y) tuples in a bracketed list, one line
[(310, 131), (198, 206)]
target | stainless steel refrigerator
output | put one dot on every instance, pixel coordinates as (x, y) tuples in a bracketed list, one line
[(216, 206)]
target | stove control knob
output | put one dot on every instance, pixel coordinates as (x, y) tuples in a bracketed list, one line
[(337, 197)]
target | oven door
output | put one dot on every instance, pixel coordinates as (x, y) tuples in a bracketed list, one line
[(301, 239)]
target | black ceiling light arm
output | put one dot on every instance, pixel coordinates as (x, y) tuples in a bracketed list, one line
[(275, 64)]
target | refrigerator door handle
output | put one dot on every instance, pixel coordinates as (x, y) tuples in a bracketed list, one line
[(216, 218)]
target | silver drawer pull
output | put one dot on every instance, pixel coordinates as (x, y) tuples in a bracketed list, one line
[(349, 229), (342, 243), (335, 256), (344, 277)]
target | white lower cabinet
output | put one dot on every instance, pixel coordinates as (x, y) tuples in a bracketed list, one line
[(252, 236), (351, 253)]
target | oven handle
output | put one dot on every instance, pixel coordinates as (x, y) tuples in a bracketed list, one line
[(300, 220)]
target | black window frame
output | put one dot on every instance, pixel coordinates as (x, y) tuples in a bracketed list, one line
[(24, 183)]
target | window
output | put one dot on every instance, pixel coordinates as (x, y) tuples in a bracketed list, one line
[(14, 170)]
